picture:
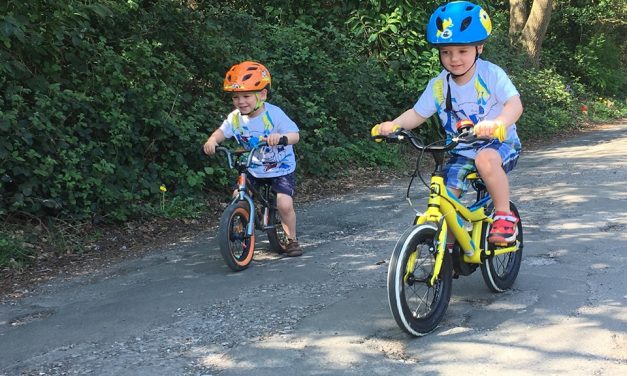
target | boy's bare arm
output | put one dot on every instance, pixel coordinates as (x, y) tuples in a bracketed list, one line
[(212, 142), (407, 120), (512, 109)]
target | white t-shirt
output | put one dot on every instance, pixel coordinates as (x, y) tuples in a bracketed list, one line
[(269, 161), (481, 98)]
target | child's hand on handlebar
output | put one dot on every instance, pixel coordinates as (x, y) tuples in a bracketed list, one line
[(490, 129), (274, 139), (210, 146), (383, 129)]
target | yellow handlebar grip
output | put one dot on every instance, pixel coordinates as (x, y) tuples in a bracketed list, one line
[(375, 132), (500, 132)]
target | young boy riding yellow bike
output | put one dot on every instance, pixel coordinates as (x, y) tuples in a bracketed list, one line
[(470, 90)]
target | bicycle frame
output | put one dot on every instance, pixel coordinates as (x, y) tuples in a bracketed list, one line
[(448, 213), (244, 187)]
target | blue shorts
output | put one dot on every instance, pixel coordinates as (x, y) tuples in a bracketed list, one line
[(458, 167), (281, 184)]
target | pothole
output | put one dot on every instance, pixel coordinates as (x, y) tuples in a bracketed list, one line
[(539, 261), (28, 318), (612, 227)]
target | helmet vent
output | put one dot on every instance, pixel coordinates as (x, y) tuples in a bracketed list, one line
[(257, 83), (249, 75), (470, 7), (252, 68), (438, 23), (465, 23)]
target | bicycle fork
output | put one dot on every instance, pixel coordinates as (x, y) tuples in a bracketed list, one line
[(440, 249), (242, 195), (434, 215)]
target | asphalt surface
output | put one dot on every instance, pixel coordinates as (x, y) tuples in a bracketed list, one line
[(181, 311)]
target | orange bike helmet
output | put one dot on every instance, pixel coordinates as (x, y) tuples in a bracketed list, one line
[(247, 76)]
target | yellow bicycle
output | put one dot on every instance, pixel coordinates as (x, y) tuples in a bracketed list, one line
[(421, 269)]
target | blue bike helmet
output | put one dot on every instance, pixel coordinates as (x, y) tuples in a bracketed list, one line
[(458, 23)]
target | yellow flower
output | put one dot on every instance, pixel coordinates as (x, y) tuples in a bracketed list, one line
[(163, 188)]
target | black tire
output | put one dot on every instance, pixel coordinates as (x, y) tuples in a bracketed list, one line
[(276, 234), (500, 272), (236, 248), (417, 307)]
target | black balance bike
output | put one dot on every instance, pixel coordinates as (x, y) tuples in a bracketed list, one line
[(251, 208)]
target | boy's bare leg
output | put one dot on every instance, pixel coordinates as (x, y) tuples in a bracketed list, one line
[(285, 205), (488, 164), (288, 220)]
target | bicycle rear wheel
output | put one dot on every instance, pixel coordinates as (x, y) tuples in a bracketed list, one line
[(417, 306), (499, 272), (276, 234), (236, 248)]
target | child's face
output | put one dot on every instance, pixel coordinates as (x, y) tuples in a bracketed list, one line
[(459, 59), (246, 102)]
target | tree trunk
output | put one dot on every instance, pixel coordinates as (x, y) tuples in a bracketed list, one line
[(535, 28), (517, 18)]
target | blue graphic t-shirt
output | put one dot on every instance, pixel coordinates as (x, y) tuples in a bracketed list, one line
[(481, 98), (268, 162)]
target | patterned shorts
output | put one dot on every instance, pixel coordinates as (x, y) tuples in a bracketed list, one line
[(458, 167), (281, 184)]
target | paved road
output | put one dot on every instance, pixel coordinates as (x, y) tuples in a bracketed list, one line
[(179, 311)]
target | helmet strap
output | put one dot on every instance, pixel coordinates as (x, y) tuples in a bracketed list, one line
[(258, 104)]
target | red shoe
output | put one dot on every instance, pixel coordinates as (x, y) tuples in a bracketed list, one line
[(504, 230)]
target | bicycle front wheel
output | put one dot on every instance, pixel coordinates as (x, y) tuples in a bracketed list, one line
[(235, 246), (499, 272), (417, 305)]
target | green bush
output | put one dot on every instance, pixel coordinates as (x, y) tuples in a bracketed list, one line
[(586, 42), (99, 116), (102, 102)]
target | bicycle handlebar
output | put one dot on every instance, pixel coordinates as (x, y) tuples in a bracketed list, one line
[(465, 137), (230, 153)]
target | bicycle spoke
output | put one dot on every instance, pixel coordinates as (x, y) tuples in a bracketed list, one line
[(418, 291)]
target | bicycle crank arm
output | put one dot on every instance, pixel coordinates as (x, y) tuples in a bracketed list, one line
[(502, 250)]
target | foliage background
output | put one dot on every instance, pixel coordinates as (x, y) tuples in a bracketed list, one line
[(103, 102)]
